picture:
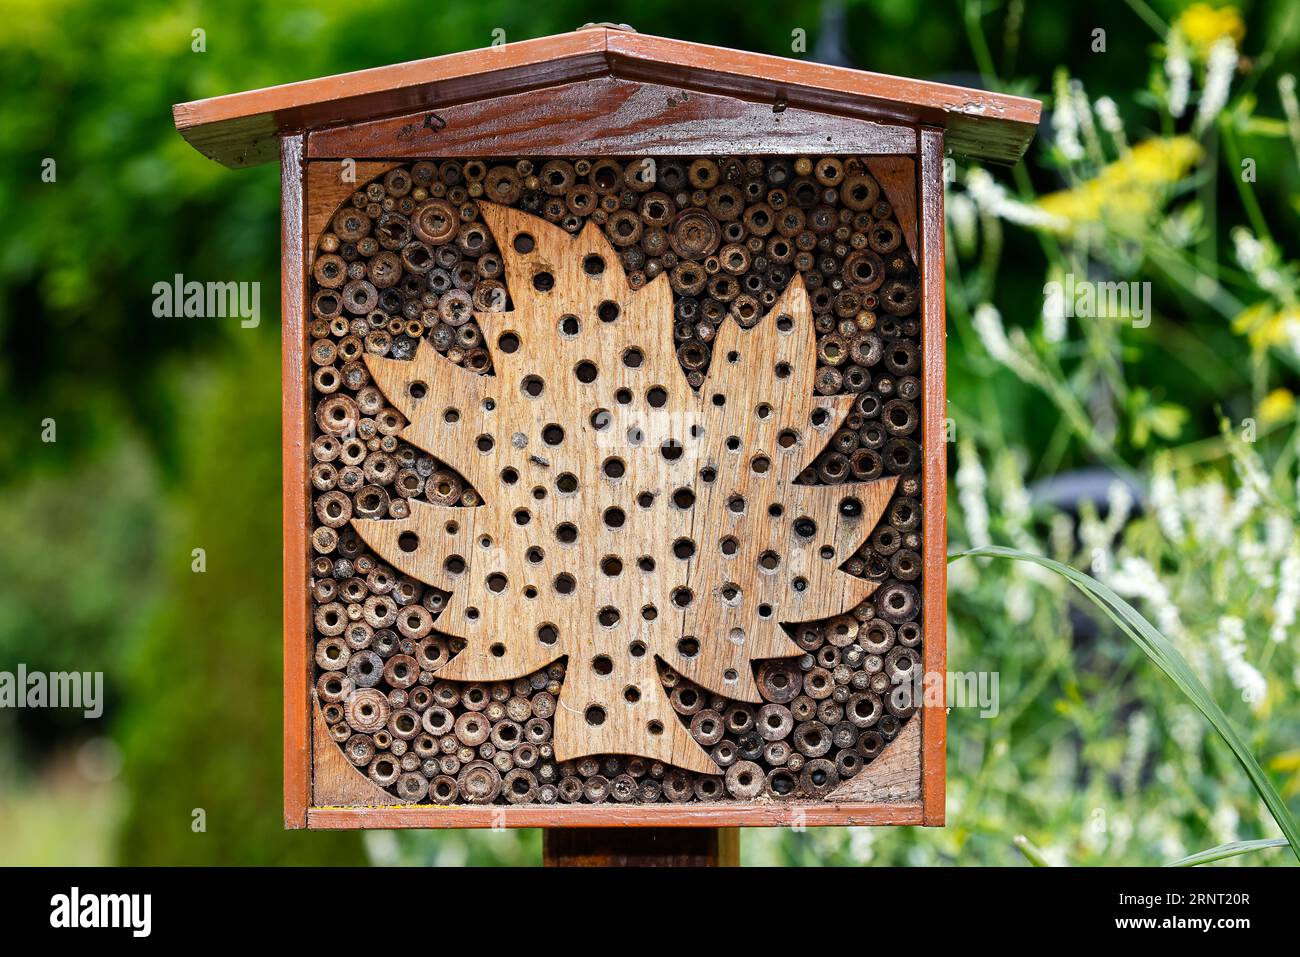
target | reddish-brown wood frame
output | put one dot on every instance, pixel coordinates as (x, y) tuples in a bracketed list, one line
[(298, 689)]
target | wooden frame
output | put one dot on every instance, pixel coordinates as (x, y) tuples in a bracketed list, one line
[(611, 92), (311, 192)]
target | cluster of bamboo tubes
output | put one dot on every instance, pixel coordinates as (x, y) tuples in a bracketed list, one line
[(408, 257)]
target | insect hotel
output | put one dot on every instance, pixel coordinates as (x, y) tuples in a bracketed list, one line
[(614, 466)]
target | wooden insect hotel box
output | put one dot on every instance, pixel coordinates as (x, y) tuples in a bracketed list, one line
[(614, 462)]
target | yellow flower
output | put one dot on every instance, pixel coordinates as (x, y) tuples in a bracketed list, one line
[(1202, 25), (1129, 190), (1265, 325), (1277, 406)]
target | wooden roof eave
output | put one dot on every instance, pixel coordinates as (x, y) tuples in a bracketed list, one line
[(241, 129)]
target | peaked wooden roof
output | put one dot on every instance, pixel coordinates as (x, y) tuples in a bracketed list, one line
[(241, 129)]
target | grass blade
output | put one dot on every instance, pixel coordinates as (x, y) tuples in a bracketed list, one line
[(1225, 851), (1160, 650), (1033, 853)]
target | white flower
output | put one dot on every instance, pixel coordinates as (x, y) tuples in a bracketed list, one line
[(1064, 119), (1218, 79), (1277, 535), (1291, 107), (1244, 504), (962, 216), (1108, 117), (1178, 70), (861, 840), (988, 324), (1119, 502), (1019, 602), (1054, 321), (1135, 578), (1260, 259), (1186, 729), (1083, 112), (1223, 822), (1230, 642), (1205, 506), (1014, 499), (989, 195), (971, 484), (1164, 499), (1135, 752), (1061, 535), (1288, 596)]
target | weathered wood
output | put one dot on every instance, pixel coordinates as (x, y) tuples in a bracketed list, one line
[(934, 716), (335, 781), (613, 116), (658, 561), (240, 129), (892, 778), (980, 124), (327, 189), (647, 847), (897, 178)]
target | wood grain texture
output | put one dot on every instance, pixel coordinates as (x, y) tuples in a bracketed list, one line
[(934, 717), (897, 178), (336, 782), (698, 572), (327, 190), (647, 847), (610, 116), (240, 129), (297, 633), (980, 124), (735, 814), (893, 777)]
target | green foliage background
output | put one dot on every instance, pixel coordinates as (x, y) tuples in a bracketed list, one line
[(168, 429)]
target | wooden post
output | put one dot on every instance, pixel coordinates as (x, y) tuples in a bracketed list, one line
[(641, 847)]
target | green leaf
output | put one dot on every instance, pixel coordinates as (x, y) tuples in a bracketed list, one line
[(1225, 851), (1160, 650), (1033, 853)]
